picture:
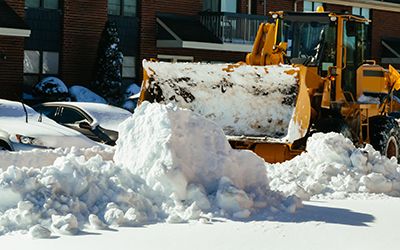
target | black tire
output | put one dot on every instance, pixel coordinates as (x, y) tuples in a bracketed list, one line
[(4, 146), (384, 135), (333, 124)]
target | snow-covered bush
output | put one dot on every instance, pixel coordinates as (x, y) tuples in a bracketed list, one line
[(108, 79), (82, 94), (51, 89)]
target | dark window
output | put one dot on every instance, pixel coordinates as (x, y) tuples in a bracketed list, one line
[(46, 4), (50, 112), (122, 7), (32, 3), (220, 5), (71, 116), (37, 65)]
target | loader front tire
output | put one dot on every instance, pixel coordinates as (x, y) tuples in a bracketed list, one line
[(333, 124), (384, 135)]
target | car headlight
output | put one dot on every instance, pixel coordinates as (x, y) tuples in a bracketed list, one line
[(28, 140)]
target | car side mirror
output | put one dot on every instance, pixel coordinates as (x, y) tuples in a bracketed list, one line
[(85, 125)]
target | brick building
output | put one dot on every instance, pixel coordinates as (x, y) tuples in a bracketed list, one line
[(41, 38)]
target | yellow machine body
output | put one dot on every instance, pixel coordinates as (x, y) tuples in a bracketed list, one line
[(320, 88)]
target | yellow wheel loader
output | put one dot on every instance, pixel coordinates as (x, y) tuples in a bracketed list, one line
[(307, 73)]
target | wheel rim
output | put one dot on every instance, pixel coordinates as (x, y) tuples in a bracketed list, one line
[(392, 148)]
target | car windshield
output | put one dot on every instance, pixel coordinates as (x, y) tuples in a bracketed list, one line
[(307, 40)]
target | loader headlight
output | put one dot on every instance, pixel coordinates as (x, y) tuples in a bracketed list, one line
[(333, 18), (275, 16), (28, 140)]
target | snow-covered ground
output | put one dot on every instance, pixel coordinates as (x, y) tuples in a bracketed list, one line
[(330, 225), (174, 182)]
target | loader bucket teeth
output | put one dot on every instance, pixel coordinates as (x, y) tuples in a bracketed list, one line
[(241, 99)]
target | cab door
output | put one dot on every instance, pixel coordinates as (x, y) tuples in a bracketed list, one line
[(354, 52)]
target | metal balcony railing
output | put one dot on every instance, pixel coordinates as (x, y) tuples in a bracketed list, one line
[(232, 27)]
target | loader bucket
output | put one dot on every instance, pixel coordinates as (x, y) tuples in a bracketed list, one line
[(243, 100)]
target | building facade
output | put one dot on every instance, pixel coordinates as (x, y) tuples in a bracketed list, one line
[(60, 37)]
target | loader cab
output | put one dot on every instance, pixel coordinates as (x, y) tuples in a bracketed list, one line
[(311, 39), (321, 40)]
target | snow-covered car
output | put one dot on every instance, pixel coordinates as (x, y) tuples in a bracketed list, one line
[(97, 121), (22, 128)]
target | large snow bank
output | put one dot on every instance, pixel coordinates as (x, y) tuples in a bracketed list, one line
[(185, 156), (170, 165), (334, 167), (173, 165), (241, 99)]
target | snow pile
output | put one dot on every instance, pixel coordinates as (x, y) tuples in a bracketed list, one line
[(82, 94), (170, 165), (45, 157), (63, 197), (230, 95), (187, 157), (334, 167)]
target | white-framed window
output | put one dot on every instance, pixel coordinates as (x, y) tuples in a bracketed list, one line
[(129, 67), (365, 12), (310, 6), (39, 64), (175, 58)]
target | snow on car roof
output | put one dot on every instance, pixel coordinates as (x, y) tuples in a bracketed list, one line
[(107, 116)]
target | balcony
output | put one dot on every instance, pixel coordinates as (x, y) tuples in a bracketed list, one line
[(208, 31), (232, 27)]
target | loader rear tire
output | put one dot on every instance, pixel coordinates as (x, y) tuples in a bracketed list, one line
[(385, 135)]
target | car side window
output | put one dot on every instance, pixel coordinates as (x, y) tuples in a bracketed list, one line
[(70, 116), (50, 112)]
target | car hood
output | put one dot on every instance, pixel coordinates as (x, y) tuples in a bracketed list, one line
[(48, 133)]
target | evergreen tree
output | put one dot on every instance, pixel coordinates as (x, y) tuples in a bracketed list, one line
[(108, 79)]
